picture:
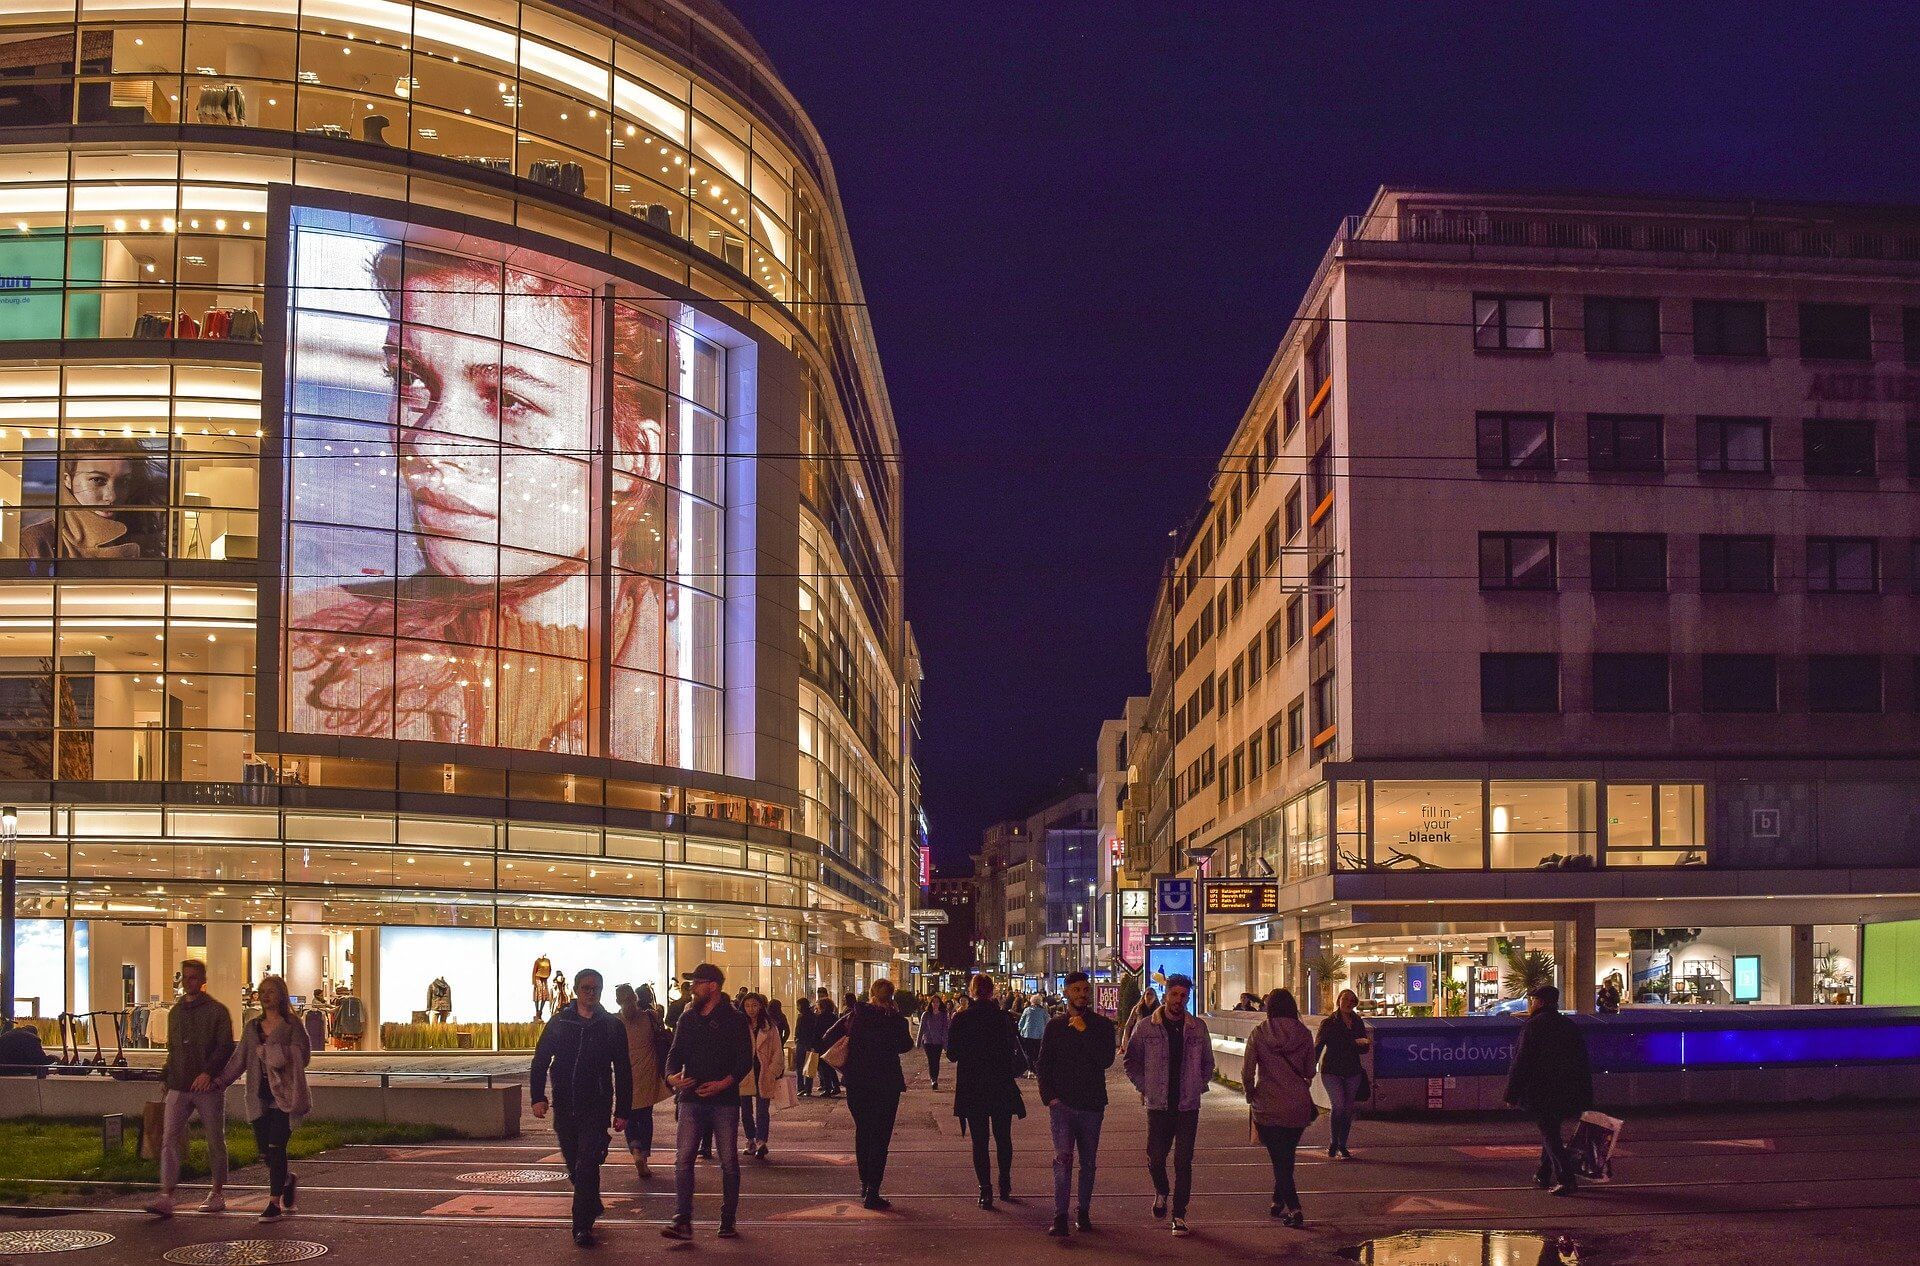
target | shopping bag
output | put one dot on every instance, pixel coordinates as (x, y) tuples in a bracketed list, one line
[(1318, 1089), (836, 1055), (1592, 1145), (811, 1067), (785, 1094)]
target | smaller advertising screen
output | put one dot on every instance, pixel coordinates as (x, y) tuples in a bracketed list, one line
[(1133, 943), (1164, 961), (1419, 984), (1234, 896), (1746, 978)]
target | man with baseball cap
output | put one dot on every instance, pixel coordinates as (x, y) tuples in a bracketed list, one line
[(712, 1050)]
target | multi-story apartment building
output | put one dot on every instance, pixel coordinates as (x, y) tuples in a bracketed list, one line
[(1558, 592), (450, 516), (953, 941), (1118, 798), (1038, 881)]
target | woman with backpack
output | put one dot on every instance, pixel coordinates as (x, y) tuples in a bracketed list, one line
[(1278, 1076)]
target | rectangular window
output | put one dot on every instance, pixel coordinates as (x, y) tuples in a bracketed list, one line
[(1629, 562), (1913, 450), (1206, 694), (1276, 635), (1624, 441), (1514, 560), (1237, 586), (1510, 323), (1843, 683), (1843, 564), (1736, 564), (1253, 568), (1630, 683), (1290, 408), (1836, 331), (1729, 327), (1270, 539), (1734, 446), (1253, 757), (1296, 517), (1839, 450), (1239, 678), (1323, 704), (1739, 683), (1319, 359), (1320, 474), (1253, 663), (1296, 724), (1910, 334), (1519, 682), (1321, 586), (1622, 327), (1296, 619), (1514, 441)]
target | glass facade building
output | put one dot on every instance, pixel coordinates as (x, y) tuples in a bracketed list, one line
[(449, 515)]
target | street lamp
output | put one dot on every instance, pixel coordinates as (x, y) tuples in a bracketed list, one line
[(1079, 926), (9, 886)]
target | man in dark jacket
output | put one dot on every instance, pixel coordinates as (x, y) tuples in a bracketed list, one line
[(712, 1050), (199, 1041), (877, 1036), (1075, 1055), (1551, 1081), (21, 1053), (584, 1049)]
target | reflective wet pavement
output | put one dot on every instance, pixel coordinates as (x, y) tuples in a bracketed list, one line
[(1466, 1248)]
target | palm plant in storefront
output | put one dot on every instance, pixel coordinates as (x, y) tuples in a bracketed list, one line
[(1327, 968), (1526, 970)]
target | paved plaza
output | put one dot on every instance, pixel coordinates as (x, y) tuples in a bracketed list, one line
[(1719, 1187)]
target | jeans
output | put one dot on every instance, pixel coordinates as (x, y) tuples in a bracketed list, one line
[(1001, 1124), (1031, 1045), (640, 1132), (1282, 1141), (1340, 1092), (721, 1121), (1074, 1129), (583, 1145), (1556, 1166), (271, 1130), (211, 1106), (829, 1078), (933, 1062), (873, 1116), (1171, 1128), (755, 1115)]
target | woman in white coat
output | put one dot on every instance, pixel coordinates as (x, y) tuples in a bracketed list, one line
[(1278, 1076), (272, 1055)]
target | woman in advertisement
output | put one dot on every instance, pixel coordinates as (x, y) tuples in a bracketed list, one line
[(499, 471), (104, 477)]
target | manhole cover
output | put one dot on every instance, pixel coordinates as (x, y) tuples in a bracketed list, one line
[(1465, 1248), (51, 1241), (245, 1252), (514, 1177)]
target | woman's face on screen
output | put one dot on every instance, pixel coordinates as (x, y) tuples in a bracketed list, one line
[(494, 435)]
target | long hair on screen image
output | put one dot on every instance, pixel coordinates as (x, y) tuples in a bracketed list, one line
[(498, 467)]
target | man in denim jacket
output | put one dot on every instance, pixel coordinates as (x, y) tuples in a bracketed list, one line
[(1170, 1062)]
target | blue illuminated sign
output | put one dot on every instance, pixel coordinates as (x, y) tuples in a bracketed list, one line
[(1746, 978), (1419, 984)]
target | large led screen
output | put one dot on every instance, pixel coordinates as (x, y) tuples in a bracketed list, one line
[(503, 503)]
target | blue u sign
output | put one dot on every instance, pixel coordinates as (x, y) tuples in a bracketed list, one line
[(1176, 896)]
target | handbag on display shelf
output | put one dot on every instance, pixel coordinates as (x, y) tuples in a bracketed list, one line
[(219, 321), (186, 327)]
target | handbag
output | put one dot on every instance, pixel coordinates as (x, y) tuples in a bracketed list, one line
[(1364, 1091), (835, 1056), (810, 1067)]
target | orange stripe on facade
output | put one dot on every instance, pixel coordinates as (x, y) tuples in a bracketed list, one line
[(1320, 397), (1323, 621), (1320, 511), (1326, 735)]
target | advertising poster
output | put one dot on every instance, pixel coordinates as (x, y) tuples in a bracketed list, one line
[(487, 543), (1133, 943)]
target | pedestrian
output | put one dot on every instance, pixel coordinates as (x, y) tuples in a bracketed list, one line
[(584, 1049), (1339, 1044), (1149, 1001), (806, 1031), (647, 1043), (779, 1018), (199, 1044), (1170, 1062), (762, 1084), (22, 1054), (877, 1037), (934, 1023), (712, 1054), (1075, 1054), (272, 1056), (1277, 1072), (1552, 1081), (1033, 1027), (984, 1044), (826, 1015), (1606, 999)]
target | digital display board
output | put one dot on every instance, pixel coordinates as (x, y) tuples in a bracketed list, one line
[(1746, 978), (1169, 960), (1234, 896), (503, 512)]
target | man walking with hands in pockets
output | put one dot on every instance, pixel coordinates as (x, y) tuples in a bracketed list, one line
[(1170, 1062), (1075, 1054)]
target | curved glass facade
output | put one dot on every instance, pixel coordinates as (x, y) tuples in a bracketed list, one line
[(448, 515)]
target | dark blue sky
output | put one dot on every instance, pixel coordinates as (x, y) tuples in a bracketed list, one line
[(1083, 226)]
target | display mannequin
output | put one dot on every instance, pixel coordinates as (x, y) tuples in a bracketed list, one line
[(440, 999), (542, 969), (560, 995)]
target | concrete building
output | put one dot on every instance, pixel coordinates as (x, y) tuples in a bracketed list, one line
[(313, 661), (1038, 880), (1119, 796), (1557, 593), (953, 941)]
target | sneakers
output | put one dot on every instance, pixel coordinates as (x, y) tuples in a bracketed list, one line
[(1180, 1228), (1059, 1226), (877, 1202), (1561, 1189), (1159, 1208), (583, 1238), (1084, 1221), (986, 1197), (1295, 1218), (678, 1229), (287, 1196), (271, 1212), (161, 1206), (728, 1231), (214, 1203)]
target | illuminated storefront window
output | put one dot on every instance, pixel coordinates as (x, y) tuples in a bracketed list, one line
[(1427, 826)]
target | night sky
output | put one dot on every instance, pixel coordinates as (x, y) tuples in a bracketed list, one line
[(1082, 228)]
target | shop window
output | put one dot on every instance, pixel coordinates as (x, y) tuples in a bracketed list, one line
[(1427, 826), (1542, 825), (1350, 824), (1729, 327), (1306, 835)]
